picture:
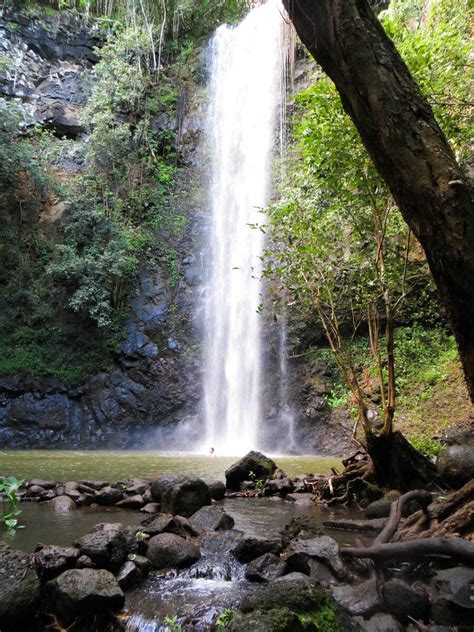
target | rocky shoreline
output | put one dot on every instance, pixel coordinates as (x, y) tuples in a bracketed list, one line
[(300, 580)]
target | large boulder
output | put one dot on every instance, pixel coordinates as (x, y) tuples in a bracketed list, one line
[(106, 545), (456, 464), (299, 596), (212, 518), (216, 489), (168, 550), (322, 549), (265, 568), (166, 523), (162, 482), (62, 504), (108, 495), (19, 590), (362, 599), (404, 602), (249, 548), (53, 560), (253, 465), (452, 602), (185, 497), (84, 592)]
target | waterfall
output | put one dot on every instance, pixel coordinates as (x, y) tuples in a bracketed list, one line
[(245, 94)]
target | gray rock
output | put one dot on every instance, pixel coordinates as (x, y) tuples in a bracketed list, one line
[(129, 575), (362, 599), (456, 464), (281, 486), (84, 561), (322, 548), (172, 551), (108, 496), (141, 562), (53, 560), (300, 596), (131, 502), (452, 602), (84, 592), (253, 465), (61, 504), (94, 485), (378, 509), (293, 577), (265, 568), (41, 483), (34, 490), (106, 545), (162, 482), (166, 523), (19, 590), (249, 548), (216, 489), (212, 519), (380, 622), (404, 602), (185, 497), (151, 508)]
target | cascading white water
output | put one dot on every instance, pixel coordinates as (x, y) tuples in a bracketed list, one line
[(245, 93)]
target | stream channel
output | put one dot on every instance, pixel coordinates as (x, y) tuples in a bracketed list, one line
[(197, 594)]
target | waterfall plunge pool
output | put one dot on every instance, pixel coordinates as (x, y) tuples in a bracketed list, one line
[(195, 595), (111, 465)]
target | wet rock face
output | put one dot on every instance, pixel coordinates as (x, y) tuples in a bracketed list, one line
[(19, 590), (48, 65), (106, 545), (265, 568), (185, 497), (452, 603), (212, 519), (404, 602), (84, 592), (249, 548), (362, 599), (52, 560), (172, 551)]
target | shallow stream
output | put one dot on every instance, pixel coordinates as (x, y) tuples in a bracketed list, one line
[(196, 595)]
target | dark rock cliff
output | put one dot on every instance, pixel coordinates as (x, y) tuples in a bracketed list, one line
[(151, 397)]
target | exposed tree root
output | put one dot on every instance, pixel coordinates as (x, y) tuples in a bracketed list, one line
[(432, 532), (396, 512), (448, 547), (447, 515)]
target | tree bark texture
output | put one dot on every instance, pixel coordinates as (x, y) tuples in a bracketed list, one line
[(398, 465), (408, 148)]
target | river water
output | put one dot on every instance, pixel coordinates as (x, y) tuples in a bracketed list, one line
[(195, 595), (111, 465)]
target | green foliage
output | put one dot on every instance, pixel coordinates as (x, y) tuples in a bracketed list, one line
[(9, 487), (422, 355), (324, 620), (172, 624), (341, 248), (426, 445), (434, 39), (339, 396), (259, 482), (225, 618)]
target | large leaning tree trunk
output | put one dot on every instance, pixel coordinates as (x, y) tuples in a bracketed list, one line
[(398, 128)]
